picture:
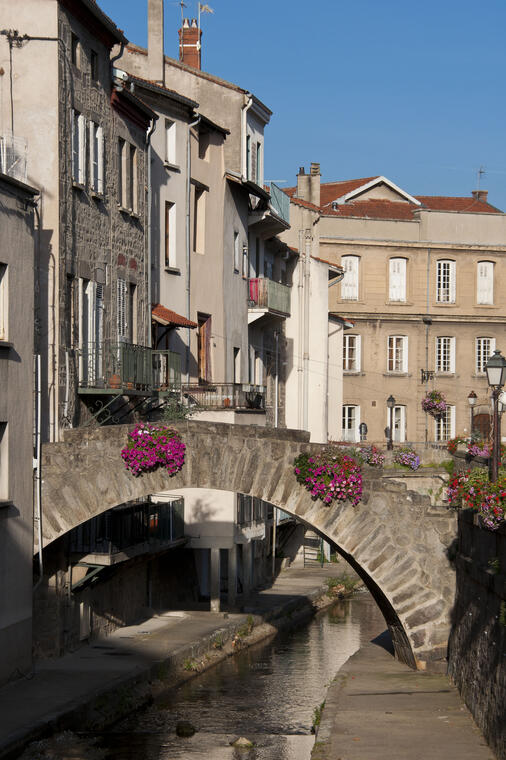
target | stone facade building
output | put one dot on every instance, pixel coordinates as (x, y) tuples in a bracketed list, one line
[(423, 289), (17, 249)]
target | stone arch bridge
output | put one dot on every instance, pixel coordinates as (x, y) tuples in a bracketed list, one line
[(394, 539)]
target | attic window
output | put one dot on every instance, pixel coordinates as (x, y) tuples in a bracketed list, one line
[(335, 204)]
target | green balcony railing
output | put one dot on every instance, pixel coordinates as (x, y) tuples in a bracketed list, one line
[(268, 294)]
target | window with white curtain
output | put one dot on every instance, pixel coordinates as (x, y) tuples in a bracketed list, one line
[(445, 281), (349, 285), (397, 353), (485, 282), (445, 354), (351, 353), (445, 425), (351, 422), (397, 280), (485, 347)]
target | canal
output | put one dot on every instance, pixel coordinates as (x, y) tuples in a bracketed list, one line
[(266, 693)]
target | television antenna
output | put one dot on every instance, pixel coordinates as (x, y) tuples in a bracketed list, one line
[(481, 172)]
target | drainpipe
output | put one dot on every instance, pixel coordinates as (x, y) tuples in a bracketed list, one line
[(300, 299), (36, 466), (150, 131), (305, 353), (188, 243), (245, 110), (428, 322), (276, 382)]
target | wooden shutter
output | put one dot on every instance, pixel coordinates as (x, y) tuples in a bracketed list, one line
[(121, 309), (397, 280), (349, 287), (485, 282), (453, 281), (82, 149), (100, 160)]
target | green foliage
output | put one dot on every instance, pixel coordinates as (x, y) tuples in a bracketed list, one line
[(190, 664), (345, 581), (502, 614), (449, 466), (174, 410), (494, 565), (217, 642), (317, 717)]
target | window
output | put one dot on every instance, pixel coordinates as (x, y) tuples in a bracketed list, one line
[(78, 147), (351, 421), (399, 424), (170, 235), (4, 463), (199, 220), (397, 359), (121, 172), (397, 280), (93, 65), (75, 50), (170, 141), (259, 164), (132, 313), (245, 261), (96, 158), (127, 176), (445, 282), (132, 179), (3, 302), (485, 282), (445, 425), (237, 365), (349, 285), (248, 157), (237, 253), (445, 354), (351, 353), (121, 308), (91, 331), (485, 347)]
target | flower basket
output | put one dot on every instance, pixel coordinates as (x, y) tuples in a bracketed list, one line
[(330, 475), (407, 457), (473, 490), (434, 404), (150, 447)]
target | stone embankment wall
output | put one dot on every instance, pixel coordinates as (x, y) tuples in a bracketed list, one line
[(477, 655)]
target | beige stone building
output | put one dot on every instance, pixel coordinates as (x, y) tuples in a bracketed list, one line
[(424, 291)]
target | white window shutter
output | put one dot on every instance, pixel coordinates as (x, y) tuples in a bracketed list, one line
[(405, 354), (485, 282), (397, 280), (357, 424), (452, 355), (121, 309), (82, 149), (101, 161), (349, 287), (358, 353), (453, 281), (452, 422)]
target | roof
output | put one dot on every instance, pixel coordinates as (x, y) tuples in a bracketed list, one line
[(151, 84), (168, 317), (330, 263), (95, 20), (463, 204)]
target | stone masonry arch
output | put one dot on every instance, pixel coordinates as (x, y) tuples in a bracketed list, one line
[(393, 538)]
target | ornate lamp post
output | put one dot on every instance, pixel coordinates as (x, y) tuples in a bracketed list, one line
[(471, 400), (496, 376), (390, 405)]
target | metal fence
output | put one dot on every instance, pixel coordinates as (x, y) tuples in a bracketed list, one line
[(224, 396), (280, 202), (268, 294)]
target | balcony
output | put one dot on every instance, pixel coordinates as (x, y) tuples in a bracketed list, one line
[(280, 203), (221, 396), (267, 297), (129, 531), (127, 369)]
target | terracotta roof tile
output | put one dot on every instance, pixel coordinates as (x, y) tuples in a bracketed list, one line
[(448, 203), (373, 209), (168, 317)]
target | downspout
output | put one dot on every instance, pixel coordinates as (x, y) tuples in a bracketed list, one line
[(276, 382), (337, 279), (300, 300), (149, 294), (116, 57), (36, 465), (427, 321), (305, 351), (188, 243), (245, 110)]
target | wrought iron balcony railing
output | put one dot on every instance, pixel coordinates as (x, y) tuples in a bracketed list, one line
[(127, 367), (224, 396), (268, 294), (128, 526)]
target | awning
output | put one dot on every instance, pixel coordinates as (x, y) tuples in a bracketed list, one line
[(169, 318)]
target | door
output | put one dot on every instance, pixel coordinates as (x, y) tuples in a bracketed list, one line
[(204, 349)]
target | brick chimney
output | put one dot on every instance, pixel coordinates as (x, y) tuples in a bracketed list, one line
[(303, 186), (189, 43), (156, 64), (314, 184), (480, 195)]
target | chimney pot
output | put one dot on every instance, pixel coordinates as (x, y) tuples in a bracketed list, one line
[(480, 195), (302, 170), (186, 23), (194, 23), (315, 168)]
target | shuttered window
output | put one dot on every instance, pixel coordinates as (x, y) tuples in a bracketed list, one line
[(485, 347), (351, 353), (485, 282), (349, 285), (445, 354), (78, 147), (397, 280), (121, 306), (445, 281), (96, 158)]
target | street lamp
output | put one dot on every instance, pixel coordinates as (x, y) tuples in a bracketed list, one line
[(496, 376), (471, 400), (390, 405)]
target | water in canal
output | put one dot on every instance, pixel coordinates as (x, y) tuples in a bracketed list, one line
[(266, 693)]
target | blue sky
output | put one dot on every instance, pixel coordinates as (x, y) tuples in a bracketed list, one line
[(411, 91)]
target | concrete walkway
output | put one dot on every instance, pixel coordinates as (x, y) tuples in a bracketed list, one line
[(379, 709), (68, 691)]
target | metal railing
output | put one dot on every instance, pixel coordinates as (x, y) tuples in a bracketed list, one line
[(280, 202), (124, 527), (13, 152), (127, 366), (224, 396), (268, 294)]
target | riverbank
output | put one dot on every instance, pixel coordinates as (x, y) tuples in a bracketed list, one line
[(96, 685), (378, 709)]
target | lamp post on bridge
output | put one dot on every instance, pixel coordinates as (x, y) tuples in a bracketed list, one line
[(471, 400), (390, 405), (496, 376)]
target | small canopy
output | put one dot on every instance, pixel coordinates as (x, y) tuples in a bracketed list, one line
[(169, 318)]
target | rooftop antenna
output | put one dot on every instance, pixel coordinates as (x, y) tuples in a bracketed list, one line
[(183, 6), (481, 172)]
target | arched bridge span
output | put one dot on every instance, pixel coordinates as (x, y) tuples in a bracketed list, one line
[(393, 538)]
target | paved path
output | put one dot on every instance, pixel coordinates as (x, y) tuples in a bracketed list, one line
[(378, 709), (53, 697)]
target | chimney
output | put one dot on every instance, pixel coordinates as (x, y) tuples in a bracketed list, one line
[(189, 43), (303, 187), (480, 195), (314, 184), (156, 64)]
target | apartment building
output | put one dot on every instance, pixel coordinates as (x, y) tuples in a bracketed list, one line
[(86, 141), (422, 289), (17, 248)]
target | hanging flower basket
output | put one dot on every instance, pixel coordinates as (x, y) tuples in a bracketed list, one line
[(434, 404), (330, 475), (472, 489), (150, 447)]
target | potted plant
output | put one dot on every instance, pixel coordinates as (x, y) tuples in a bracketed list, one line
[(434, 404)]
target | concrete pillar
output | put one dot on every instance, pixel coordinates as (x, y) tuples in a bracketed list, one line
[(232, 576), (215, 580), (246, 569)]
